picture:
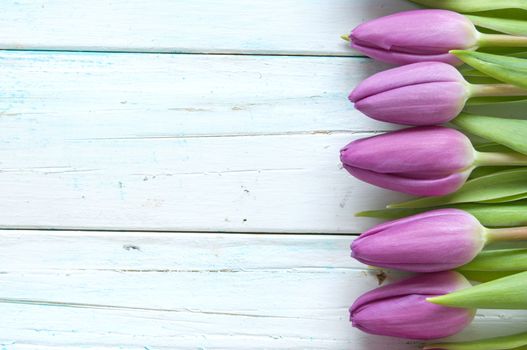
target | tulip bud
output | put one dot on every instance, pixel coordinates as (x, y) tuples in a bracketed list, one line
[(425, 93), (401, 310), (437, 240), (423, 35), (423, 161)]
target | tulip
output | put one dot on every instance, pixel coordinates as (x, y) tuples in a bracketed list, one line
[(436, 240), (424, 93), (423, 161), (423, 35), (401, 310)]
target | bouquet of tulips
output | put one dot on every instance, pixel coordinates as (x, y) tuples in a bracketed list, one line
[(472, 193)]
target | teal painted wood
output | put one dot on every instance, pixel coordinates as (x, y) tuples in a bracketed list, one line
[(306, 27)]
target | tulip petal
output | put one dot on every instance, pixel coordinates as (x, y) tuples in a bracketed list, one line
[(393, 57), (438, 240), (421, 152), (421, 104), (417, 187), (400, 309), (410, 219), (411, 74), (428, 284), (427, 31), (410, 317)]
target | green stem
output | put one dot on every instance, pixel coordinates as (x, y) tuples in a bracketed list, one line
[(482, 90), (501, 40), (345, 37), (506, 234), (500, 159)]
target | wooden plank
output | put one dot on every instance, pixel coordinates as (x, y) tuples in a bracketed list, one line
[(83, 95), (254, 184), (306, 27), (100, 290), (180, 142)]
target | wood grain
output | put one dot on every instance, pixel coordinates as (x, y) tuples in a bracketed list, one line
[(300, 27), (181, 142), (100, 290), (235, 131)]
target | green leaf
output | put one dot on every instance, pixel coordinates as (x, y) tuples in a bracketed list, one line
[(474, 76), (504, 293), (496, 186), (512, 70), (504, 25), (478, 101), (391, 214), (487, 170), (498, 260), (483, 79), (512, 342), (491, 147), (490, 215), (468, 71), (473, 5), (509, 132), (486, 276), (514, 198)]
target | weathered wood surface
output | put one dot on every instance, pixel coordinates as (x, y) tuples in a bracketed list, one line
[(122, 290), (243, 140), (181, 142), (301, 27)]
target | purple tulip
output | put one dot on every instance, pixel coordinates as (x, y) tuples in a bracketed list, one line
[(426, 93), (423, 161), (437, 240), (401, 310), (415, 36), (428, 161), (418, 94)]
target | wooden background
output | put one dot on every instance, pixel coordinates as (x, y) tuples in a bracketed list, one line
[(170, 176)]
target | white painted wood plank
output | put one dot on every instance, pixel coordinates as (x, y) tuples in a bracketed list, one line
[(180, 142), (187, 291), (254, 184), (308, 27), (100, 95)]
